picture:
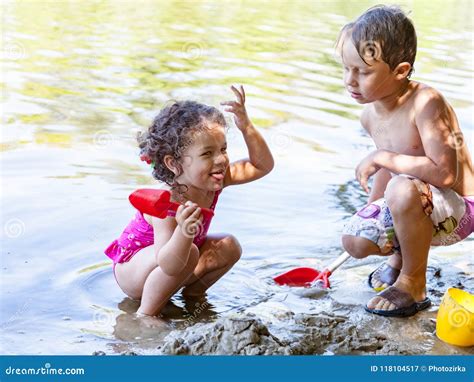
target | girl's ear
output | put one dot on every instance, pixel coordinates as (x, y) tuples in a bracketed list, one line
[(170, 163), (402, 70)]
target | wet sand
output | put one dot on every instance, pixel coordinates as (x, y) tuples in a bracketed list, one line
[(297, 321)]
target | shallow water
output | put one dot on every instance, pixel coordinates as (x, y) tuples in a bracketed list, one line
[(81, 79)]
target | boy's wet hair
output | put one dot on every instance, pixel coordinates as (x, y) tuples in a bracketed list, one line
[(382, 32), (171, 132)]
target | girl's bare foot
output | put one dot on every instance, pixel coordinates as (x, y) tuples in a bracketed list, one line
[(151, 321)]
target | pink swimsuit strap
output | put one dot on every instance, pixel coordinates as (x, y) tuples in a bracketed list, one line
[(201, 235)]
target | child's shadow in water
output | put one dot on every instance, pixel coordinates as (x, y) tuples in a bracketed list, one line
[(130, 327)]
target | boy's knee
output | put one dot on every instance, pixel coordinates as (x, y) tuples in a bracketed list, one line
[(358, 247), (401, 194)]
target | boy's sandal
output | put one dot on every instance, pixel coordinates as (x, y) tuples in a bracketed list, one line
[(406, 305), (384, 273)]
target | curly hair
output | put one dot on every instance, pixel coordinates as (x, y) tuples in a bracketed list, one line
[(171, 133), (383, 32)]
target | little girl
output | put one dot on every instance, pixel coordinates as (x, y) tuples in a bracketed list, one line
[(186, 145)]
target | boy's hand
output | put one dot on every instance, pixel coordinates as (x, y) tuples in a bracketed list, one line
[(237, 108), (366, 169), (189, 219)]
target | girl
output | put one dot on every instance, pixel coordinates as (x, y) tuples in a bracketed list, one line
[(186, 145)]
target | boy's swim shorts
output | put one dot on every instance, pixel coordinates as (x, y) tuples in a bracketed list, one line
[(451, 214)]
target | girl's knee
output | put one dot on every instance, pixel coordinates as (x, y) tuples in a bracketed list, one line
[(232, 248), (358, 247), (185, 267), (222, 253), (190, 266), (193, 259)]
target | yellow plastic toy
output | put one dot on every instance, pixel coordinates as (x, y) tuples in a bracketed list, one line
[(455, 321)]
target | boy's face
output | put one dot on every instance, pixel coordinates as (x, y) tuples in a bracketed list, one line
[(365, 83)]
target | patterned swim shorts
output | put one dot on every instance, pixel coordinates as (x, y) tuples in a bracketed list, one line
[(452, 216)]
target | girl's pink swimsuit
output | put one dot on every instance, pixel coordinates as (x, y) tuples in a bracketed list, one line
[(139, 234)]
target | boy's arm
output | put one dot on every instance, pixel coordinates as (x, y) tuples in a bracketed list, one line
[(439, 165), (381, 179)]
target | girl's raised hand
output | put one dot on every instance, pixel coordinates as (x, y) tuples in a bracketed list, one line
[(237, 108)]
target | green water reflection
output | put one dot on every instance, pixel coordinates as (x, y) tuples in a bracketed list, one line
[(101, 59)]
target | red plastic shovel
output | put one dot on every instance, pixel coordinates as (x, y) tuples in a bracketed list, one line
[(304, 277), (157, 203)]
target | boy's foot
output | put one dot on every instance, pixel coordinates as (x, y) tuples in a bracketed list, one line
[(399, 300), (386, 274)]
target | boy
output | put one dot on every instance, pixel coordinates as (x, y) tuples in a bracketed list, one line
[(423, 173)]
